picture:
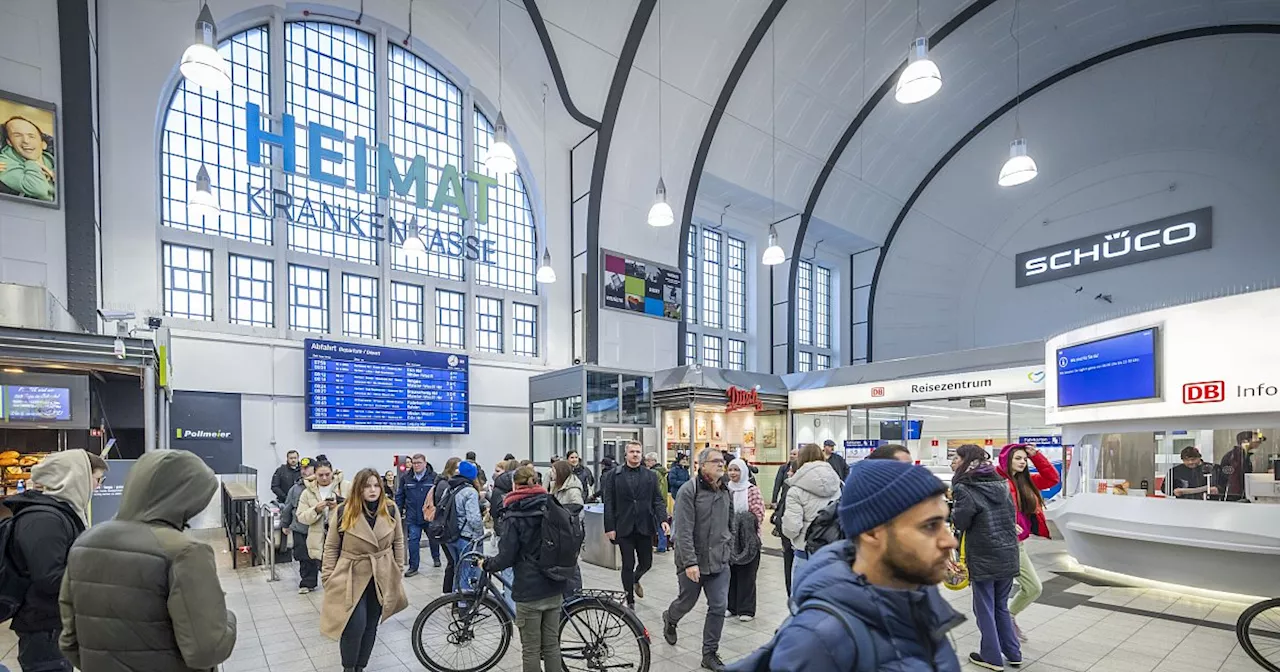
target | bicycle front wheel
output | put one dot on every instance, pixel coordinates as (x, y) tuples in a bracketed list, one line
[(453, 635), (1259, 633), (598, 635)]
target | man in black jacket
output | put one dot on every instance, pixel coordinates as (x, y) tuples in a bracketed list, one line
[(49, 517), (286, 476), (835, 459), (538, 598), (633, 511)]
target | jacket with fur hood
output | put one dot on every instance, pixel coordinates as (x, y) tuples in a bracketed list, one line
[(809, 491), (139, 594), (51, 516), (315, 521)]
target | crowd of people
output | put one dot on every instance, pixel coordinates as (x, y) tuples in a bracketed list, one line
[(864, 553)]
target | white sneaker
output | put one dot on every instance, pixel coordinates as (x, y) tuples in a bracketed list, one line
[(303, 591), (746, 619)]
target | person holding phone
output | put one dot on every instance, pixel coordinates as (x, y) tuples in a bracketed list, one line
[(315, 507)]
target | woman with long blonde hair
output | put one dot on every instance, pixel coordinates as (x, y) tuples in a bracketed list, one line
[(363, 570)]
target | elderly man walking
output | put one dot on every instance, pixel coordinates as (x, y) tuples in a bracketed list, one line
[(702, 541)]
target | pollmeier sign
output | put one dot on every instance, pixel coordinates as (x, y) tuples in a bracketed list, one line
[(1167, 237)]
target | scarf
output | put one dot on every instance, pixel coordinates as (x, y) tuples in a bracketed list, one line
[(740, 487)]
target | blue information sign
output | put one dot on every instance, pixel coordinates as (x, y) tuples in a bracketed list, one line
[(1109, 370), (371, 388), (857, 449)]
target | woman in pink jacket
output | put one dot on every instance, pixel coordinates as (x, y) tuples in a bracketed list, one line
[(1025, 488)]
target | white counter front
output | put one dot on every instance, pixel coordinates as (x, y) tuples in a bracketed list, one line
[(1223, 546)]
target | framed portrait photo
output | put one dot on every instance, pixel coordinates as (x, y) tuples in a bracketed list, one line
[(29, 168)]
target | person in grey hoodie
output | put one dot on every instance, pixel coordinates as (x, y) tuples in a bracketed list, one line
[(810, 489), (308, 567), (703, 541)]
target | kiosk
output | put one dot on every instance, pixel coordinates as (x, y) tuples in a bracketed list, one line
[(1132, 394)]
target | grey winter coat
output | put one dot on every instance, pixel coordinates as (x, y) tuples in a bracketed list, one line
[(290, 510), (702, 536), (984, 514), (809, 491)]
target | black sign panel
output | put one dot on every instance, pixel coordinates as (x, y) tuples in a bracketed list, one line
[(1165, 237), (208, 424)]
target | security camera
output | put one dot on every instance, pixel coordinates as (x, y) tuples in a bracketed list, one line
[(116, 315), (154, 322)]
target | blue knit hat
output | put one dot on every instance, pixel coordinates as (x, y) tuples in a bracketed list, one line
[(467, 470), (877, 491)]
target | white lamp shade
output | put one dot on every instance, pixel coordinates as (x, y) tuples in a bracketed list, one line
[(205, 67), (546, 274), (413, 247), (660, 213), (501, 158), (773, 255), (921, 78), (1020, 168), (202, 202)]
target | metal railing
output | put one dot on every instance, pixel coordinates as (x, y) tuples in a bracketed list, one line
[(268, 532)]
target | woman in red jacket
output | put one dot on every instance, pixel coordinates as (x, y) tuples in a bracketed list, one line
[(1025, 488)]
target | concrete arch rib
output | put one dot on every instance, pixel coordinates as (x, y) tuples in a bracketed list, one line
[(1111, 54), (837, 151)]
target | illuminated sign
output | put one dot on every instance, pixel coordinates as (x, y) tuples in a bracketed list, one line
[(740, 399)]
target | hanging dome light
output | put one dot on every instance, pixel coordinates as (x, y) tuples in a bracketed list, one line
[(921, 78), (660, 214), (413, 247), (201, 62), (773, 255), (1020, 168), (203, 202), (546, 274), (500, 159)]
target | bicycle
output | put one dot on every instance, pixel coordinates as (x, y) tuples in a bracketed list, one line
[(1258, 630), (595, 628)]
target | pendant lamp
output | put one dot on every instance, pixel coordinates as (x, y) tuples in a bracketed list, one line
[(546, 274), (500, 159), (203, 202), (921, 78), (660, 214), (773, 255), (1020, 168), (413, 247), (202, 64)]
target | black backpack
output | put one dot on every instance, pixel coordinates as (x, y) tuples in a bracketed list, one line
[(445, 527), (13, 582), (561, 538), (824, 529)]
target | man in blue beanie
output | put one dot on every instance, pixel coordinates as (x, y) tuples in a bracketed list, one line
[(871, 602)]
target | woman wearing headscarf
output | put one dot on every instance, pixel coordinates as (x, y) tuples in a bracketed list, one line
[(984, 514), (744, 556)]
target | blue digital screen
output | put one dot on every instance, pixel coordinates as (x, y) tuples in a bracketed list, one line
[(31, 403), (891, 430), (371, 388), (1109, 370)]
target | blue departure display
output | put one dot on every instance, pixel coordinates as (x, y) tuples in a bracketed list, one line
[(371, 388), (1109, 370)]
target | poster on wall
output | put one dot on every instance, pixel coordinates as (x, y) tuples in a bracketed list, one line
[(640, 286), (28, 150)]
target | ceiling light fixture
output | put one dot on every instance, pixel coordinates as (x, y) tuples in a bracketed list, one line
[(773, 255), (203, 202), (660, 213), (501, 158), (413, 247), (202, 64), (921, 78), (546, 274), (1020, 168)]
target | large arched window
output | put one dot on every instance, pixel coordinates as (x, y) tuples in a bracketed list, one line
[(309, 226)]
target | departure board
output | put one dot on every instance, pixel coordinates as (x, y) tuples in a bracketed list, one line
[(371, 388)]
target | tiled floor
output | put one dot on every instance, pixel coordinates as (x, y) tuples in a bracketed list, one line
[(1076, 626)]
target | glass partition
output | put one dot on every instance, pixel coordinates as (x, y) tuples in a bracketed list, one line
[(602, 397), (637, 400)]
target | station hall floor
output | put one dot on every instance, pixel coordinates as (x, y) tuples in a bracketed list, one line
[(1077, 624)]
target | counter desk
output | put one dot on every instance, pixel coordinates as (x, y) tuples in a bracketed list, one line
[(1222, 546)]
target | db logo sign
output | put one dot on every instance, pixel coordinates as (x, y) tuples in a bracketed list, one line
[(877, 391), (1208, 392)]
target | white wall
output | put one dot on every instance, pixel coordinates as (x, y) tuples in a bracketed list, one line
[(32, 238)]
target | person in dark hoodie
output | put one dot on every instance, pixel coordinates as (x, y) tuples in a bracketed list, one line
[(48, 518), (167, 612), (286, 476), (537, 597), (985, 517), (870, 602), (678, 474)]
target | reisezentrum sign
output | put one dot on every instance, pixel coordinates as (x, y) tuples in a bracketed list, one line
[(1167, 237), (323, 145)]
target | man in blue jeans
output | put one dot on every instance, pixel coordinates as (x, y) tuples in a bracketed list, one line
[(412, 494)]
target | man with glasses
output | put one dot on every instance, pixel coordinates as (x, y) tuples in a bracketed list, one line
[(634, 511), (703, 540)]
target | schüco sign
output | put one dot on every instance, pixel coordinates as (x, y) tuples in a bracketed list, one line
[(1167, 237), (326, 157)]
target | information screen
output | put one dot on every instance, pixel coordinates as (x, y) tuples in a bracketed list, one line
[(891, 430), (1109, 370), (370, 388), (31, 403)]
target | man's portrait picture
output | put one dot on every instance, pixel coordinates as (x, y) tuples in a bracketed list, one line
[(28, 150)]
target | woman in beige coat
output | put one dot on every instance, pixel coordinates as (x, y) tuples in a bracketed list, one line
[(363, 570), (320, 497)]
